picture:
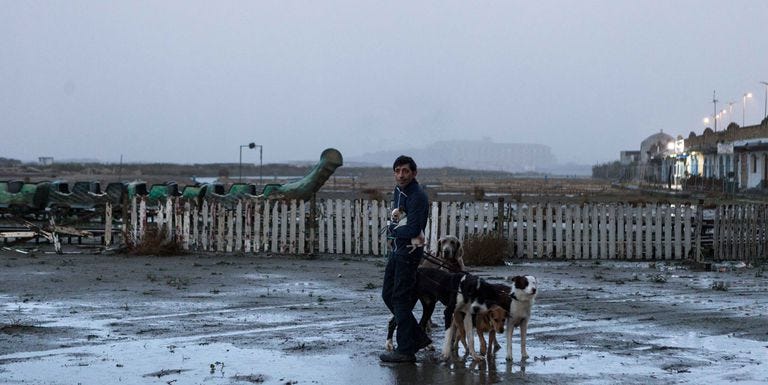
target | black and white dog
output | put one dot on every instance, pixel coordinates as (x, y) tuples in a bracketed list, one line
[(522, 298), (472, 295)]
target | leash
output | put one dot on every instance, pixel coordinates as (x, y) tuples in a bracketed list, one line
[(440, 263)]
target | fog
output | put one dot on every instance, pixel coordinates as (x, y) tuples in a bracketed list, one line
[(192, 81)]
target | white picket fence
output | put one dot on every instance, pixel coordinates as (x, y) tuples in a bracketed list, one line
[(546, 230)]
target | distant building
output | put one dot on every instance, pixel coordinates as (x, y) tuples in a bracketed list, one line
[(45, 160), (629, 157)]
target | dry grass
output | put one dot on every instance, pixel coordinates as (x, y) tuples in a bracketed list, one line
[(156, 243), (485, 250)]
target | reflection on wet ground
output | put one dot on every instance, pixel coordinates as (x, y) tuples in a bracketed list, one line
[(321, 322)]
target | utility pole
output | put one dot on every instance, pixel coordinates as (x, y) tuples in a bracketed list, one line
[(765, 110), (714, 111)]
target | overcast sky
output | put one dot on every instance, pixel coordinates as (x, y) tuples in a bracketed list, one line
[(189, 82)]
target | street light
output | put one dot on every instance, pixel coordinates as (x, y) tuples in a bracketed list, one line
[(251, 146), (744, 107), (765, 111)]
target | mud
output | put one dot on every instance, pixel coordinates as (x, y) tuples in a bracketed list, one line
[(224, 319)]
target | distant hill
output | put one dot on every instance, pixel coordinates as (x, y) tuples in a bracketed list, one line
[(477, 155)]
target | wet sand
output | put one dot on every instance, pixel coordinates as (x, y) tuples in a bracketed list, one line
[(229, 319)]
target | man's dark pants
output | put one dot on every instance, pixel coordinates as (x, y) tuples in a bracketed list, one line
[(399, 294)]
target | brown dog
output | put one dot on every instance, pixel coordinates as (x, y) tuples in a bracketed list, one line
[(449, 256), (491, 322)]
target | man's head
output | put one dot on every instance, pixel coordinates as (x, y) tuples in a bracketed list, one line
[(405, 170)]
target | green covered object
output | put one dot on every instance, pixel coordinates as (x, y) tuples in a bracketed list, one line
[(303, 188)]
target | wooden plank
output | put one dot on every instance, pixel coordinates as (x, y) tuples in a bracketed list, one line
[(230, 230), (384, 213), (108, 224), (365, 212), (247, 226), (292, 227), (578, 232), (203, 235), (753, 236), (339, 233), (332, 228), (462, 220), (283, 241), (471, 214), (639, 212), (134, 228), (730, 236), (443, 211), (529, 225), (611, 228), (142, 218), (239, 226), (559, 226), (567, 247), (621, 246), (629, 231), (357, 231), (18, 234), (221, 227), (302, 233), (677, 232), (539, 231), (519, 229), (185, 244), (594, 230), (668, 223), (653, 223), (257, 228), (274, 227), (194, 238), (454, 222), (347, 222), (548, 232), (168, 219), (740, 220), (433, 235), (687, 213), (603, 229), (375, 228), (322, 218)]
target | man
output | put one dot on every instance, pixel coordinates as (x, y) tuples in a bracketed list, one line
[(399, 289)]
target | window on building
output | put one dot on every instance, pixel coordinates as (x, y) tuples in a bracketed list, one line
[(754, 164)]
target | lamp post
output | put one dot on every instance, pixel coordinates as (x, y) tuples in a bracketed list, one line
[(744, 107), (714, 110), (240, 168), (765, 110)]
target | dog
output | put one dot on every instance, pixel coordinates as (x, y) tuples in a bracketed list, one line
[(432, 286), (491, 322), (473, 295), (449, 256), (399, 217), (521, 304)]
